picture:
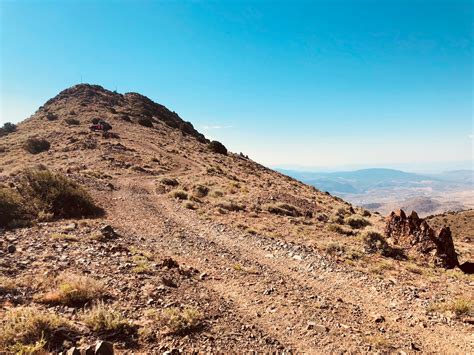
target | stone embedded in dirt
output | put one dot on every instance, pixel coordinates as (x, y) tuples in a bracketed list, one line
[(11, 248), (104, 348), (108, 232), (413, 234)]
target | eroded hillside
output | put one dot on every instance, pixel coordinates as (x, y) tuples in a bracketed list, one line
[(205, 251)]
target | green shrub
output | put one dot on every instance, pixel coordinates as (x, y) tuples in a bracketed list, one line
[(12, 207), (217, 147), (36, 145), (146, 122), (103, 318), (201, 191), (8, 128), (357, 222), (53, 193), (72, 122), (169, 181), (283, 209), (31, 330), (375, 242)]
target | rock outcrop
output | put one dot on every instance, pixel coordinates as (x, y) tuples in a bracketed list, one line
[(416, 237)]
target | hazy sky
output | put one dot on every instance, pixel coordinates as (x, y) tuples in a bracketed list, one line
[(317, 83)]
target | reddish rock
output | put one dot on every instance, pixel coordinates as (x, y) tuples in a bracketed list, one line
[(413, 234)]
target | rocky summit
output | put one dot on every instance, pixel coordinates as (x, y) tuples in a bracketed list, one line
[(124, 229)]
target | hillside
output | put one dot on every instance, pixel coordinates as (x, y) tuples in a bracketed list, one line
[(205, 251)]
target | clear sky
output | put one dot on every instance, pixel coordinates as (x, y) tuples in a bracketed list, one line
[(316, 83)]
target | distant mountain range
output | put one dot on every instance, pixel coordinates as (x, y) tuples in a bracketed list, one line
[(385, 189)]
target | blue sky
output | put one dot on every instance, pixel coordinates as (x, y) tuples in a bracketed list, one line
[(309, 84)]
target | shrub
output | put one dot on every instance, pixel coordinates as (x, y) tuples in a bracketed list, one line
[(201, 191), (462, 306), (190, 205), (357, 222), (339, 229), (102, 318), (9, 127), (30, 330), (335, 249), (51, 116), (178, 321), (179, 194), (169, 182), (74, 290), (53, 193), (283, 209), (11, 207), (231, 206), (36, 145), (218, 147), (374, 242), (95, 120), (72, 121), (144, 121)]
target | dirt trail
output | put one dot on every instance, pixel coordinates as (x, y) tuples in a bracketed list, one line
[(302, 300)]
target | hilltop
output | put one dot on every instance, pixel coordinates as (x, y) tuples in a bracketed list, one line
[(201, 249)]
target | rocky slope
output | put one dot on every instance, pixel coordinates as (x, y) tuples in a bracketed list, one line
[(210, 252)]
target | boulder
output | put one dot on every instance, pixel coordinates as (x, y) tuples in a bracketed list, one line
[(416, 237)]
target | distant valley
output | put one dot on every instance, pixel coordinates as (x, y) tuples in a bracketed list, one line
[(384, 190)]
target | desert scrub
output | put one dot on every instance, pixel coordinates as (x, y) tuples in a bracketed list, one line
[(12, 207), (179, 194), (72, 122), (73, 290), (190, 206), (36, 145), (231, 206), (30, 330), (146, 122), (7, 285), (103, 319), (178, 321), (217, 147), (283, 209), (339, 229), (461, 307), (201, 191), (169, 181), (142, 264), (375, 242), (64, 237), (7, 128), (357, 222), (334, 249), (54, 193)]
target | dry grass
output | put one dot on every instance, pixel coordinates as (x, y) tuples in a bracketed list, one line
[(177, 321), (339, 229), (283, 209), (102, 318), (7, 285), (231, 206), (179, 194), (73, 290), (29, 330)]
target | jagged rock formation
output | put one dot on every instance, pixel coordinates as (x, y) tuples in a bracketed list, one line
[(414, 234)]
